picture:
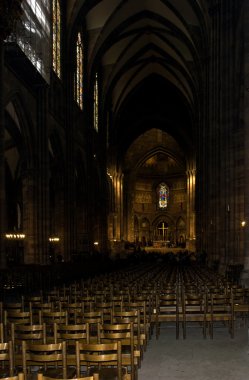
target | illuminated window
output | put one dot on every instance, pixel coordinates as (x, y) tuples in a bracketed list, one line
[(33, 34), (96, 103), (163, 196), (57, 37), (79, 72)]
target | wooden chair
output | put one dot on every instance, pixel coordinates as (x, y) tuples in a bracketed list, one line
[(132, 316), (240, 304), (193, 311), (50, 318), (50, 358), (93, 319), (18, 316), (39, 308), (14, 306), (72, 333), (104, 359), (124, 333), (6, 359), (167, 310), (30, 333), (145, 317), (106, 308), (220, 311), (71, 309)]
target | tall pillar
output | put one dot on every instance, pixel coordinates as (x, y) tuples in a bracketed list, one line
[(29, 216), (191, 234), (245, 274), (70, 190), (2, 169), (10, 12), (117, 206), (42, 178), (118, 188)]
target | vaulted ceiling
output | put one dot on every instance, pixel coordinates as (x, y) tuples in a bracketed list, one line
[(150, 55)]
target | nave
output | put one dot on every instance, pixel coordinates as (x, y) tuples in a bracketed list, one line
[(141, 322)]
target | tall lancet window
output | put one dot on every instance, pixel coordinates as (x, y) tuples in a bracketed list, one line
[(57, 37), (96, 103), (79, 71), (163, 196)]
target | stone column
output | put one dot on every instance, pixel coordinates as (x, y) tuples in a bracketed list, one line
[(10, 13), (70, 193), (245, 274), (2, 169), (118, 188), (191, 173), (29, 216), (42, 177)]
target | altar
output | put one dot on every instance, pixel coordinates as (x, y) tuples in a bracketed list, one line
[(163, 249), (162, 243)]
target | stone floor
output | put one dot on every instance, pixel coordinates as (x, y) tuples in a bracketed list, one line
[(195, 358)]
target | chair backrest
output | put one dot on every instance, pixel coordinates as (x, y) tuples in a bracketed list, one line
[(103, 354), (44, 354), (72, 333), (18, 316), (91, 317), (51, 317), (7, 357), (31, 333), (123, 332)]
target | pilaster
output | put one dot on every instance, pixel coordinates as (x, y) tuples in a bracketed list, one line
[(42, 177)]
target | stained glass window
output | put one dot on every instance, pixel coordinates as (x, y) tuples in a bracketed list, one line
[(57, 37), (33, 34), (79, 71), (96, 103), (163, 195)]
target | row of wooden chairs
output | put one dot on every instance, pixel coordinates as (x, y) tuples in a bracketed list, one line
[(155, 294), (185, 308), (54, 361)]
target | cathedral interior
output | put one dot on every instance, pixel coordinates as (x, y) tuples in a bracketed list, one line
[(124, 125), (124, 136), (124, 128)]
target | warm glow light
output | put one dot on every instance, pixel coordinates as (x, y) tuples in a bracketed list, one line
[(15, 236), (54, 239), (109, 174), (96, 243), (243, 223)]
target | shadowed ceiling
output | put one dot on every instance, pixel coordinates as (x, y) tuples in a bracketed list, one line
[(150, 58)]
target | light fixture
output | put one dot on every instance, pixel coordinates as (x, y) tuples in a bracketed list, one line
[(109, 174), (96, 243), (243, 223), (54, 239), (15, 236)]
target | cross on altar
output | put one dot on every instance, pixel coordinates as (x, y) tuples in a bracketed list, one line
[(164, 230)]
